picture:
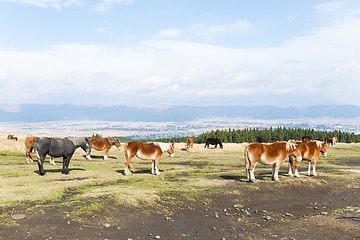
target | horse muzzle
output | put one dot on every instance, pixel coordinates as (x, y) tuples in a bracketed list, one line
[(172, 155)]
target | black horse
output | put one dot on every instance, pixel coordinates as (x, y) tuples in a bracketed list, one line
[(213, 141), (64, 147)]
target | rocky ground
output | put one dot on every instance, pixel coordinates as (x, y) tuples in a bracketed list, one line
[(328, 209)]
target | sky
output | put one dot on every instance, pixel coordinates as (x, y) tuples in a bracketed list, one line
[(179, 52)]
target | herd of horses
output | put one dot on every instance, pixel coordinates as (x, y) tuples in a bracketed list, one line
[(265, 153)]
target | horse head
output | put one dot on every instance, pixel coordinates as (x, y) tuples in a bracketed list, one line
[(171, 150), (118, 144), (323, 148), (87, 146)]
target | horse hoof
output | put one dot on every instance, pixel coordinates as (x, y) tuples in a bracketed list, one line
[(52, 163)]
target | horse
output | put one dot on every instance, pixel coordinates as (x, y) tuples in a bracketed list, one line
[(306, 139), (12, 137), (331, 141), (64, 147), (103, 144), (189, 144), (29, 143), (268, 154), (213, 141), (310, 152), (147, 151)]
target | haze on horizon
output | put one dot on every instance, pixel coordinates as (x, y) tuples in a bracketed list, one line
[(179, 52)]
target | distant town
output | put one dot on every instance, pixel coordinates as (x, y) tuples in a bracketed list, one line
[(153, 130)]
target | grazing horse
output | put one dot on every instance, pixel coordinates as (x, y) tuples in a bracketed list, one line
[(12, 137), (64, 147), (310, 152), (147, 151), (268, 154), (306, 139), (189, 144), (103, 144), (331, 141), (29, 143), (213, 141)]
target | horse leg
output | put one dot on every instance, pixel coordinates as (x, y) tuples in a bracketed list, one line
[(66, 162), (291, 163), (28, 155), (309, 167), (296, 168), (40, 164), (88, 157), (127, 163), (153, 167), (52, 161), (275, 170), (157, 172), (106, 154), (251, 171), (314, 166)]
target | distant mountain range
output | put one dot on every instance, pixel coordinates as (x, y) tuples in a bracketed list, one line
[(52, 112)]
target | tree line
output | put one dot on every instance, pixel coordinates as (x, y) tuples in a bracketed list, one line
[(266, 135)]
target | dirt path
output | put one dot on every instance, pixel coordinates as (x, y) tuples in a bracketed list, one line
[(240, 210)]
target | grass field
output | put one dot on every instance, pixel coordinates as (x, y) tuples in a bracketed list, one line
[(97, 190)]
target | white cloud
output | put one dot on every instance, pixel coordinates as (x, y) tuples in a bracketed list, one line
[(330, 7), (324, 60), (239, 25), (168, 33), (105, 5), (57, 4)]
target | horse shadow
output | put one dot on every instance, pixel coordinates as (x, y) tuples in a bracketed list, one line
[(59, 170), (141, 171), (263, 176), (99, 157), (234, 177)]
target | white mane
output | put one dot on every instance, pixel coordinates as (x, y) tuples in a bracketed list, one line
[(290, 146), (163, 146), (318, 143)]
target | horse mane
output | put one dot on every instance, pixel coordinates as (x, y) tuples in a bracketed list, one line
[(290, 145), (163, 146), (318, 144), (77, 141)]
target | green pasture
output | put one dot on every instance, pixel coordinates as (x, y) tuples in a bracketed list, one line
[(189, 174)]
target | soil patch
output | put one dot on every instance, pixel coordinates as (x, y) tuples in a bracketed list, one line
[(267, 210)]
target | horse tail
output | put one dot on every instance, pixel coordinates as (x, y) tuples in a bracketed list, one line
[(35, 151), (247, 159), (125, 150)]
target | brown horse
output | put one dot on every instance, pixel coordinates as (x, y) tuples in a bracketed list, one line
[(306, 139), (104, 144), (189, 144), (310, 152), (331, 141), (29, 143), (268, 154), (12, 137), (147, 151)]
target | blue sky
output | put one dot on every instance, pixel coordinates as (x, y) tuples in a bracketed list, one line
[(179, 52)]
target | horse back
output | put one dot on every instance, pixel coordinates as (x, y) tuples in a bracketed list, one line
[(144, 149), (29, 141), (99, 144), (313, 150)]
